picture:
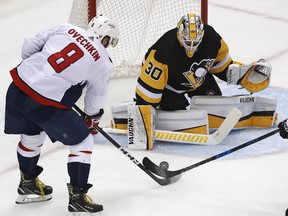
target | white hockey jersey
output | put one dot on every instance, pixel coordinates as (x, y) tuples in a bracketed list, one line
[(59, 62)]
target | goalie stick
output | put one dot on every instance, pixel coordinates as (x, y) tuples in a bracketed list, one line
[(201, 139), (160, 181), (165, 173)]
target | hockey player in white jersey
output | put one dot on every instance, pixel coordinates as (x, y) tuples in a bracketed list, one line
[(57, 64)]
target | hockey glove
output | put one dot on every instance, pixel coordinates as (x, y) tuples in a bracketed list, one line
[(283, 126), (254, 77), (93, 121)]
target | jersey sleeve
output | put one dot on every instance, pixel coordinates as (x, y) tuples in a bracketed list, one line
[(222, 61), (151, 82), (35, 44), (97, 90)]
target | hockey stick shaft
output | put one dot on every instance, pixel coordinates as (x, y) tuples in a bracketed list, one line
[(160, 181), (201, 139), (227, 152), (168, 174)]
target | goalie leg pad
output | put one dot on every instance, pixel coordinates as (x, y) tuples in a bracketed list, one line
[(120, 115), (257, 111), (189, 121), (141, 125)]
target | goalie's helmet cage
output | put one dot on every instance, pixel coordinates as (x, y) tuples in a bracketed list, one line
[(190, 32), (102, 26)]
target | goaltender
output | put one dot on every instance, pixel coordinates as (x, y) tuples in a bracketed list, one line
[(177, 82), (183, 63)]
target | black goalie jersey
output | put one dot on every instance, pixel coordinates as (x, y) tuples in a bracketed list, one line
[(169, 77)]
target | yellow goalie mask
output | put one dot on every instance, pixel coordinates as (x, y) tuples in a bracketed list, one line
[(190, 32)]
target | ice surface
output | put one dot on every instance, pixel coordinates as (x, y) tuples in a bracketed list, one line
[(249, 182)]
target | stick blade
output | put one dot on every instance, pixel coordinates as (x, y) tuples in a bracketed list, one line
[(164, 173)]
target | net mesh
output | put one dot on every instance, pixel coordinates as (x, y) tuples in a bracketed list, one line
[(141, 23)]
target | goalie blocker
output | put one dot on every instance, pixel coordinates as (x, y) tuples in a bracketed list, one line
[(141, 127)]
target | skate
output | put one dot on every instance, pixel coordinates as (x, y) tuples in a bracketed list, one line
[(31, 189), (80, 203)]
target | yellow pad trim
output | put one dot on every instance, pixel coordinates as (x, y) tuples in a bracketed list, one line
[(251, 121), (253, 87), (147, 116), (197, 130)]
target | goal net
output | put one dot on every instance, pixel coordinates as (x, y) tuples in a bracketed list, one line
[(141, 23)]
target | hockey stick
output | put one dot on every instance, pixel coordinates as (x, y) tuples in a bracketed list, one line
[(160, 181), (163, 171), (201, 139)]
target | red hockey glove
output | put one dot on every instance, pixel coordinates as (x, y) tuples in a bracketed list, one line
[(93, 121), (283, 126)]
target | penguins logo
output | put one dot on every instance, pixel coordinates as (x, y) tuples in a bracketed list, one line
[(196, 74)]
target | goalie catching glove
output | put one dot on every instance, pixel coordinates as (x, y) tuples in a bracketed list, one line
[(93, 121), (254, 77), (283, 126)]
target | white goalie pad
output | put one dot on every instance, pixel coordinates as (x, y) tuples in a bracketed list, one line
[(189, 121), (257, 111), (141, 125), (191, 138), (120, 115)]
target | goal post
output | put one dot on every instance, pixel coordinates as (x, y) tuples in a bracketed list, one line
[(204, 11)]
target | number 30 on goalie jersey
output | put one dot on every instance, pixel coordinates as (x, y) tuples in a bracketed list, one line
[(152, 80)]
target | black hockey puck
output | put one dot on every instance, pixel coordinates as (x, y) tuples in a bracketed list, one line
[(164, 165)]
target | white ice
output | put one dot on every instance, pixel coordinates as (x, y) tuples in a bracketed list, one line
[(250, 182)]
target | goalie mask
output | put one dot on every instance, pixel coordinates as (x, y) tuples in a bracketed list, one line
[(103, 27), (190, 32)]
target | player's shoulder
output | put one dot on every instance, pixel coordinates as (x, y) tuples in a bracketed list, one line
[(73, 28), (210, 31), (167, 37), (165, 45), (211, 36), (64, 25), (70, 27), (61, 28), (89, 42)]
